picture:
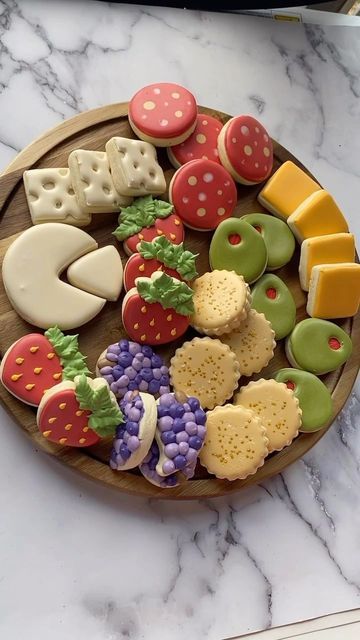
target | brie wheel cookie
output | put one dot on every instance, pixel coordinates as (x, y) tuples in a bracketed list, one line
[(207, 369), (221, 301), (277, 408), (253, 343), (236, 443)]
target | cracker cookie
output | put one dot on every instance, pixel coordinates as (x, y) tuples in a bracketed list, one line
[(277, 408), (221, 302), (134, 167), (235, 444), (205, 368), (253, 343)]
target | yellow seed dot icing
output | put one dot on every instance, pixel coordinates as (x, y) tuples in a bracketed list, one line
[(252, 342), (235, 445), (47, 433), (16, 376), (19, 360)]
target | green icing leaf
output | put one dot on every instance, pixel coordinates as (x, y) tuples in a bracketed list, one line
[(141, 214), (105, 414), (67, 348), (171, 255), (169, 292)]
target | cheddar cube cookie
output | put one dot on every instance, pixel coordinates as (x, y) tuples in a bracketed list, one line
[(286, 190), (334, 290), (134, 167), (318, 215), (331, 249)]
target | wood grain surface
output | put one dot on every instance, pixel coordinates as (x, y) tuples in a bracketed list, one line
[(91, 130)]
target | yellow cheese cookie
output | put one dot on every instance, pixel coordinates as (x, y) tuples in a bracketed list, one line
[(253, 343), (331, 249), (334, 290), (205, 368), (318, 215), (286, 190), (235, 443), (221, 302), (277, 408)]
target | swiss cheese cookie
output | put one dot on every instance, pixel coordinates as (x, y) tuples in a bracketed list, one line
[(134, 167), (221, 302), (237, 246), (99, 272), (135, 434), (317, 215), (253, 343), (330, 249), (318, 346), (163, 114), (286, 190), (271, 297), (201, 144), (279, 240), (207, 368), (334, 290), (235, 444), (314, 397), (277, 408), (245, 149), (203, 194)]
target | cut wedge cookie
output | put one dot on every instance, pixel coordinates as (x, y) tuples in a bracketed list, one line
[(99, 272)]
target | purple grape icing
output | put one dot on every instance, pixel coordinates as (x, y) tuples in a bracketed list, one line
[(126, 440), (131, 366), (148, 470)]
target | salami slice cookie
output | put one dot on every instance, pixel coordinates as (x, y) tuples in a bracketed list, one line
[(203, 194), (201, 144), (246, 150)]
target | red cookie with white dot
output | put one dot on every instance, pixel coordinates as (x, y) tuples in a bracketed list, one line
[(201, 144), (203, 194), (245, 149), (164, 114)]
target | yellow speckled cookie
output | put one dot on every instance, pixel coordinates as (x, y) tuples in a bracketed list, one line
[(205, 368), (253, 343), (221, 301), (235, 445), (277, 408)]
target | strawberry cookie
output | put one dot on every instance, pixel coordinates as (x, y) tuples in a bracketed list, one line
[(160, 255), (78, 413), (134, 436), (157, 310), (146, 219), (201, 144), (163, 114), (36, 362), (245, 149), (203, 194)]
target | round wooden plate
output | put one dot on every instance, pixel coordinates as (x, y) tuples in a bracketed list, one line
[(91, 130)]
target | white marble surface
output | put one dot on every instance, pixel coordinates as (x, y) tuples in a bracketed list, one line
[(81, 561)]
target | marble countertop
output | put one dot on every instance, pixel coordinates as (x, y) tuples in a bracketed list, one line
[(81, 561)]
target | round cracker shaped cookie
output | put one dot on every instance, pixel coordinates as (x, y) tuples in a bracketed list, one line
[(252, 342)]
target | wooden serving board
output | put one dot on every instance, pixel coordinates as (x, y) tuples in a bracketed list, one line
[(91, 130)]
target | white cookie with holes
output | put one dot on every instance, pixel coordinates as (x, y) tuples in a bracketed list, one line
[(51, 197), (93, 184), (134, 167)]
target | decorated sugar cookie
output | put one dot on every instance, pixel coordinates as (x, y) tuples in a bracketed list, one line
[(146, 219), (252, 342), (279, 240), (221, 302), (276, 406), (317, 215), (314, 397), (318, 346), (205, 367), (99, 272), (129, 366), (134, 167), (245, 149), (287, 188), (160, 255), (163, 114), (148, 470), (180, 432), (135, 434), (271, 296), (201, 144), (330, 249), (157, 310), (36, 362), (203, 194), (78, 413), (334, 290), (238, 247), (236, 443)]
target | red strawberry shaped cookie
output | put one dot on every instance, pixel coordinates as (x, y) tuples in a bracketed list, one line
[(160, 255), (78, 413), (201, 144), (157, 310), (246, 150), (145, 219), (203, 194), (37, 362)]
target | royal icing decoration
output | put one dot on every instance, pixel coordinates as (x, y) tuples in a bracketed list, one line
[(334, 291), (279, 240), (201, 144), (330, 249), (286, 190), (317, 215), (318, 346), (271, 296), (99, 272)]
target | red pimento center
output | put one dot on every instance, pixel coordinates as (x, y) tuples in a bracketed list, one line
[(334, 343), (290, 385), (258, 228), (271, 293), (234, 238)]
